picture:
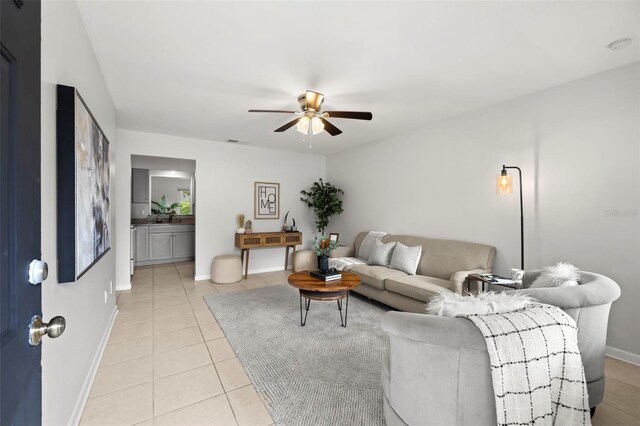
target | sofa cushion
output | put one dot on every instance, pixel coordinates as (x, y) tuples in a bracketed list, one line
[(381, 253), (375, 275), (417, 287)]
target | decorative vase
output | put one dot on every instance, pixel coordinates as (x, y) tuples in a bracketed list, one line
[(323, 263), (240, 231)]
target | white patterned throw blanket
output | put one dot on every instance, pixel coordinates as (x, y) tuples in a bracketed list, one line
[(536, 369), (345, 263), (368, 243)]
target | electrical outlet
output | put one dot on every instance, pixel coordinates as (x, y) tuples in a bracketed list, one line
[(110, 287), (106, 296)]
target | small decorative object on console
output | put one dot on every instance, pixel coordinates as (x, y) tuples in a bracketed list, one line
[(240, 220), (248, 227)]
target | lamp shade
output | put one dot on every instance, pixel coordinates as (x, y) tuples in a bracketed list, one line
[(303, 125), (316, 125), (504, 183)]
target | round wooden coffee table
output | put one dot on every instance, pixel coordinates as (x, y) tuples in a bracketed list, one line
[(324, 291)]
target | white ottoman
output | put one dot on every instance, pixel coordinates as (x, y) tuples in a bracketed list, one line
[(226, 269), (305, 260)]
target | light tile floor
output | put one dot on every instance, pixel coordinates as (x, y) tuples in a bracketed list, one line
[(168, 362)]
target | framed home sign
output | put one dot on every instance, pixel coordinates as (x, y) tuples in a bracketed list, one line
[(266, 200), (84, 207)]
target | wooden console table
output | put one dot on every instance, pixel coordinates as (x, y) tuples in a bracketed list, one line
[(246, 242)]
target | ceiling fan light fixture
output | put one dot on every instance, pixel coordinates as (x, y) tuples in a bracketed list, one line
[(316, 125), (303, 125)]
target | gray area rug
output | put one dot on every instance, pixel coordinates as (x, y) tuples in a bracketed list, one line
[(319, 374)]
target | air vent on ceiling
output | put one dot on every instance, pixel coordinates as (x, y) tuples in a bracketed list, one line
[(233, 140)]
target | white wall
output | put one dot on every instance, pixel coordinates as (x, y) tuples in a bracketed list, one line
[(578, 147), (163, 163), (225, 174), (67, 58)]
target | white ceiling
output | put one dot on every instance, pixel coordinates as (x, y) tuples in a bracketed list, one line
[(195, 68)]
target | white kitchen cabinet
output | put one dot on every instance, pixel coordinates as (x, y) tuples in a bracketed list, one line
[(160, 246), (142, 243), (164, 243), (139, 185), (184, 244)]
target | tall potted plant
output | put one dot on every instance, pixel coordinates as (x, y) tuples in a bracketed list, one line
[(325, 201)]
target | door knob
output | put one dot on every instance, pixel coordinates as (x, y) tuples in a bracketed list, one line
[(38, 328), (38, 271)]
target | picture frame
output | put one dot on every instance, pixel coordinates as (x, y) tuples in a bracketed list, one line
[(266, 200), (83, 187), (333, 237)]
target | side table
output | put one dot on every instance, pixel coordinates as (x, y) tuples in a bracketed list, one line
[(489, 279)]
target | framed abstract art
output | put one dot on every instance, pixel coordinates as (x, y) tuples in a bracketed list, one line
[(84, 205)]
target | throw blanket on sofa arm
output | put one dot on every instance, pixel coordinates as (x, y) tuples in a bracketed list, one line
[(536, 368)]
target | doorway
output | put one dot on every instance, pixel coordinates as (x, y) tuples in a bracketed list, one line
[(163, 210)]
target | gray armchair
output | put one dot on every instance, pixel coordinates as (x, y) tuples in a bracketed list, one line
[(436, 371)]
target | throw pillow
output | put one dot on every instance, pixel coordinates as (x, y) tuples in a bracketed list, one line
[(381, 253), (449, 304), (561, 275), (367, 243), (405, 258)]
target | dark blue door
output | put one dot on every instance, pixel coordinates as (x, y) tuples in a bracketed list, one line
[(20, 371)]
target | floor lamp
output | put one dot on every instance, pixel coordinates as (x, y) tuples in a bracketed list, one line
[(504, 186)]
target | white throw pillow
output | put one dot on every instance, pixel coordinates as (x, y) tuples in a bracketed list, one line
[(405, 258), (367, 243), (560, 275), (450, 304), (381, 253)]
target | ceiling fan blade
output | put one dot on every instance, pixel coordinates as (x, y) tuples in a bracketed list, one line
[(271, 110), (288, 125), (330, 128), (357, 115)]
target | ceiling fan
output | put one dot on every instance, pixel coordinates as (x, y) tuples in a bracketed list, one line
[(311, 119)]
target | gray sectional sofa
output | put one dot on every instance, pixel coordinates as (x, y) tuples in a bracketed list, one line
[(436, 371), (443, 264)]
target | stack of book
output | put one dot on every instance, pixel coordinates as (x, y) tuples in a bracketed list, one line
[(325, 276)]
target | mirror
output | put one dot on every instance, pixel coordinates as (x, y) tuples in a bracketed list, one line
[(177, 190)]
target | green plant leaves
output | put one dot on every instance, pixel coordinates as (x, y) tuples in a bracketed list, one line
[(324, 199), (163, 208)]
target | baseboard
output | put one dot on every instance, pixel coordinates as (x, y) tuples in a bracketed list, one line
[(124, 287), (261, 270), (251, 271), (625, 356), (76, 415)]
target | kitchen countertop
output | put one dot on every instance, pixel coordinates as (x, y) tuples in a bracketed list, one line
[(177, 220)]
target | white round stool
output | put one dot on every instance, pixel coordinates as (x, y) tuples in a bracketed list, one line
[(226, 269), (305, 260)]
